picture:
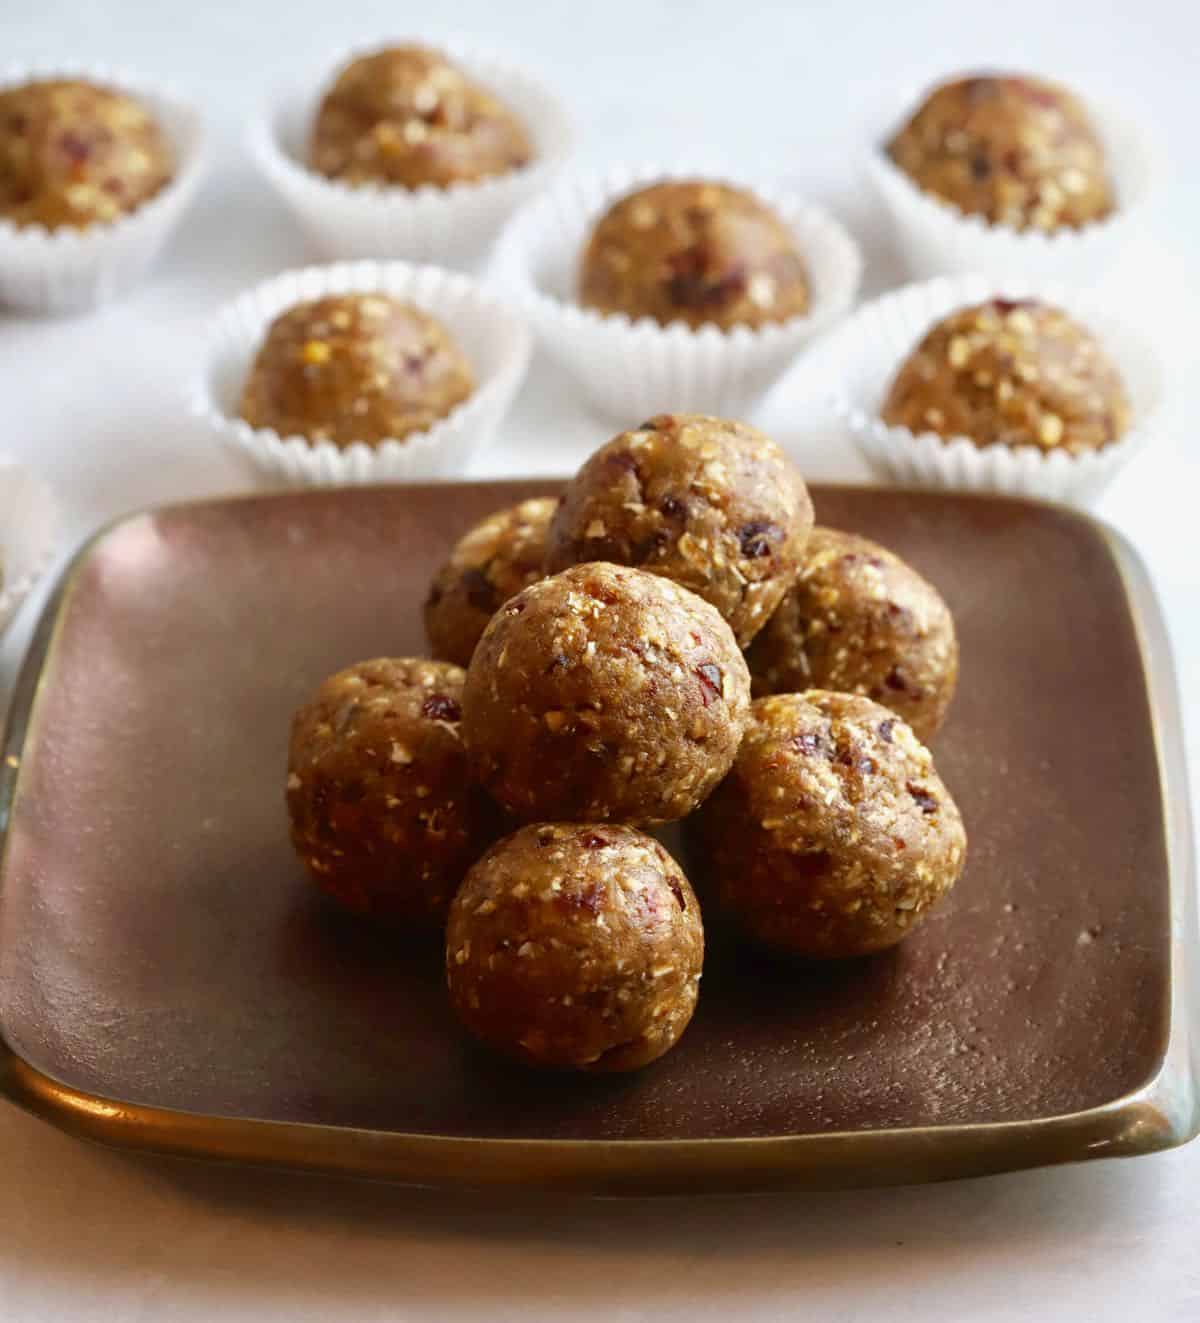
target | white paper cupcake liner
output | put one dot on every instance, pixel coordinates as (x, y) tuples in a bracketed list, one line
[(631, 369), (29, 530), (936, 238), (494, 340), (452, 226), (882, 334), (66, 270)]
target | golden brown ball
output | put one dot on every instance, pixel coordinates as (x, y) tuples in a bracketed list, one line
[(1017, 151), (355, 368), (833, 835), (73, 154), (576, 946), (859, 620), (713, 504), (604, 693), (489, 564), (382, 809), (408, 116), (1016, 372), (694, 251)]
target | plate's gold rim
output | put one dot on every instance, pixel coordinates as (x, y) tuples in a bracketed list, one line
[(1131, 1125), (1162, 1113)]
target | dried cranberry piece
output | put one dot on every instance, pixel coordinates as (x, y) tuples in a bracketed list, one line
[(677, 892), (440, 707), (710, 681), (1040, 96), (755, 538), (74, 148), (622, 461), (648, 547), (811, 865), (808, 742), (1004, 306), (672, 507), (927, 802), (690, 285), (590, 898), (981, 89), (591, 840)]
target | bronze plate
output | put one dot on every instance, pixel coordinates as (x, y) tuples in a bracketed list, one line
[(169, 981)]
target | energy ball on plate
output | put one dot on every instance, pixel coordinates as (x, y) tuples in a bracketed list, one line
[(382, 809), (1016, 151), (859, 620), (491, 563), (407, 116), (696, 252), (1014, 372), (604, 693), (355, 368), (713, 504), (576, 946), (833, 834), (73, 154)]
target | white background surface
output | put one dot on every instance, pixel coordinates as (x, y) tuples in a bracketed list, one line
[(95, 404)]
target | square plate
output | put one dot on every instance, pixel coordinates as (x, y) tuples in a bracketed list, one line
[(169, 980)]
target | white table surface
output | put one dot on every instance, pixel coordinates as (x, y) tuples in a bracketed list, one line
[(94, 403)]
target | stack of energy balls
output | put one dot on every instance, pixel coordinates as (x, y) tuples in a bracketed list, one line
[(612, 642)]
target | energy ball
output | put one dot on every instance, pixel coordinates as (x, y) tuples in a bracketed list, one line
[(604, 693), (491, 563), (407, 116), (355, 368), (73, 154), (576, 946), (859, 620), (696, 252), (833, 835), (382, 810), (1015, 150), (713, 504), (1014, 372)]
